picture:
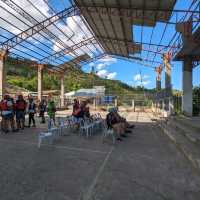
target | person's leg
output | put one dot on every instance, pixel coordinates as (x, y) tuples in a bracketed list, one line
[(22, 120), (117, 130), (29, 119), (54, 120), (18, 120), (4, 127), (43, 118), (33, 119), (12, 123)]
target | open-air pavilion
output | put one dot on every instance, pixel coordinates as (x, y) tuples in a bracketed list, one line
[(67, 34), (56, 35)]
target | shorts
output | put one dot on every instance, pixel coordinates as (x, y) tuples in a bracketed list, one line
[(20, 115), (77, 119), (8, 116)]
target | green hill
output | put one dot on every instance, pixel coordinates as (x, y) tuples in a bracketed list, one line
[(25, 76)]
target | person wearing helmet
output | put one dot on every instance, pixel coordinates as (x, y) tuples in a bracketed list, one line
[(20, 107), (7, 113)]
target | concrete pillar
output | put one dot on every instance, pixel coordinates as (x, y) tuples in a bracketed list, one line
[(94, 103), (115, 102), (166, 61), (158, 84), (62, 91), (40, 80), (3, 55), (133, 105), (158, 77), (187, 104)]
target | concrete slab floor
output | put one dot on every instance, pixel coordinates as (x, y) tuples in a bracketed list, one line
[(145, 166)]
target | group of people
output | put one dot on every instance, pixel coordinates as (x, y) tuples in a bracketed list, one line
[(80, 110), (119, 124), (13, 112), (113, 119)]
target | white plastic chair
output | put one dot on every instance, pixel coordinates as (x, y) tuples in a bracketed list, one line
[(43, 135), (108, 132)]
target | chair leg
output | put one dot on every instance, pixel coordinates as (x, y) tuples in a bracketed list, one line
[(39, 141)]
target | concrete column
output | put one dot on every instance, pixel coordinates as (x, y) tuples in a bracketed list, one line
[(2, 73), (158, 77), (166, 61), (187, 104), (62, 91), (133, 105), (115, 102), (158, 84), (40, 80), (94, 103)]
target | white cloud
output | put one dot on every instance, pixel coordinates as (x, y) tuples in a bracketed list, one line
[(111, 75), (141, 79), (105, 74), (100, 66), (102, 73), (137, 77)]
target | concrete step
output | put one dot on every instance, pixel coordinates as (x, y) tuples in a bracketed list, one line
[(186, 128), (190, 149)]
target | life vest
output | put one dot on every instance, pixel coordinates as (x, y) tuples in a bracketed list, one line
[(31, 108), (4, 105), (7, 107), (20, 105)]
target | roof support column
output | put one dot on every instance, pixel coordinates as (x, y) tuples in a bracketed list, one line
[(3, 55), (158, 78), (168, 87), (187, 99), (185, 28), (40, 80), (62, 91)]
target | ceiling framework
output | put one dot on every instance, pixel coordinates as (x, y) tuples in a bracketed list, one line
[(103, 27)]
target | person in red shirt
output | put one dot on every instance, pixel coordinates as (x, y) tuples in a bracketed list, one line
[(7, 113), (20, 107)]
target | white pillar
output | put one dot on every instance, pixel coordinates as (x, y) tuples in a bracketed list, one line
[(2, 73), (62, 91), (40, 79), (133, 105), (187, 107), (115, 102)]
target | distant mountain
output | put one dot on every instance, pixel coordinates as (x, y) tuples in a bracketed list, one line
[(25, 76)]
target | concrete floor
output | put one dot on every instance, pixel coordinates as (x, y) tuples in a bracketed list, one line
[(144, 166)]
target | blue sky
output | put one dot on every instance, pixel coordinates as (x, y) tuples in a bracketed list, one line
[(126, 71)]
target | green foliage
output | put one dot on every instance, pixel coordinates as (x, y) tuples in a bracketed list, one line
[(26, 77)]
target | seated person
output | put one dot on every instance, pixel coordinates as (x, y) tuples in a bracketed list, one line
[(114, 122), (78, 112), (125, 124), (86, 109)]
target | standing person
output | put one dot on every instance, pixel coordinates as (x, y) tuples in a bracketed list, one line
[(42, 110), (31, 111), (51, 110), (20, 107), (7, 113)]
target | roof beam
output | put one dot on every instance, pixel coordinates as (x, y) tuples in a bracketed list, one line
[(12, 42), (151, 15), (71, 49)]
